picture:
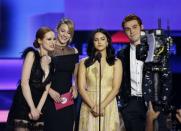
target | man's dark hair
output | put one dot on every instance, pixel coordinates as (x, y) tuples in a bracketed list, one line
[(131, 17)]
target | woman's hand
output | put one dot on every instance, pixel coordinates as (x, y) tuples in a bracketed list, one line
[(101, 110), (34, 114), (74, 92), (55, 95), (95, 111)]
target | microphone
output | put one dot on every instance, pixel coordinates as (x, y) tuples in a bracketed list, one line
[(98, 57)]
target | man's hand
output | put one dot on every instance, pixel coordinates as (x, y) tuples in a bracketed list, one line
[(178, 115), (151, 114)]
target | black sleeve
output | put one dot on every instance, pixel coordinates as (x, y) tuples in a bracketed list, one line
[(27, 50)]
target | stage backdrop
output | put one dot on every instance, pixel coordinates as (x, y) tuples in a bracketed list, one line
[(19, 19)]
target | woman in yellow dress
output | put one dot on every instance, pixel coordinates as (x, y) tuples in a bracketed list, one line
[(89, 81)]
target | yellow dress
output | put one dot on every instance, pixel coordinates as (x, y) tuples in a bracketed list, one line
[(110, 121)]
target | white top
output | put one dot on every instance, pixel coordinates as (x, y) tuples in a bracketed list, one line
[(136, 73)]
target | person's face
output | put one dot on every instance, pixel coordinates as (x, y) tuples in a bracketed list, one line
[(48, 41), (100, 41), (64, 34), (133, 31)]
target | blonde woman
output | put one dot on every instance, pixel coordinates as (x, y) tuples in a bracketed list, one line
[(65, 60)]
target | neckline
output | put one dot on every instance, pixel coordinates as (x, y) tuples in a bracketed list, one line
[(63, 47), (66, 55)]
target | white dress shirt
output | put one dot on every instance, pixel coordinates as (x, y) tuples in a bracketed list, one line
[(136, 73)]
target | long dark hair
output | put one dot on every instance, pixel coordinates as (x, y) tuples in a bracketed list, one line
[(91, 50)]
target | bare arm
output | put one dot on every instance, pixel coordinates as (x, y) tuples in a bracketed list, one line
[(73, 89), (75, 74), (82, 85), (149, 125), (117, 78), (25, 79), (54, 95), (43, 98), (27, 66)]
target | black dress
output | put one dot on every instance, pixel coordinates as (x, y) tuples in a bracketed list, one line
[(20, 109), (61, 120)]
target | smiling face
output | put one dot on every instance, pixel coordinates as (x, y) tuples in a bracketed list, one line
[(133, 30), (64, 34), (48, 41), (100, 41)]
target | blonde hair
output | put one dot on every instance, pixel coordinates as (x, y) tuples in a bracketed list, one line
[(70, 25)]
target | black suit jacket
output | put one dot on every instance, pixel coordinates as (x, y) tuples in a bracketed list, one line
[(125, 90)]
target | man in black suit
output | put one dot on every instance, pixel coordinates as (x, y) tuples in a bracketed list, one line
[(136, 89)]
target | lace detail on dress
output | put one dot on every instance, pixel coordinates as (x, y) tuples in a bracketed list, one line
[(36, 126), (32, 126), (65, 50), (21, 124)]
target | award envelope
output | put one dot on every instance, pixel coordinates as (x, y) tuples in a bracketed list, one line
[(67, 100)]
